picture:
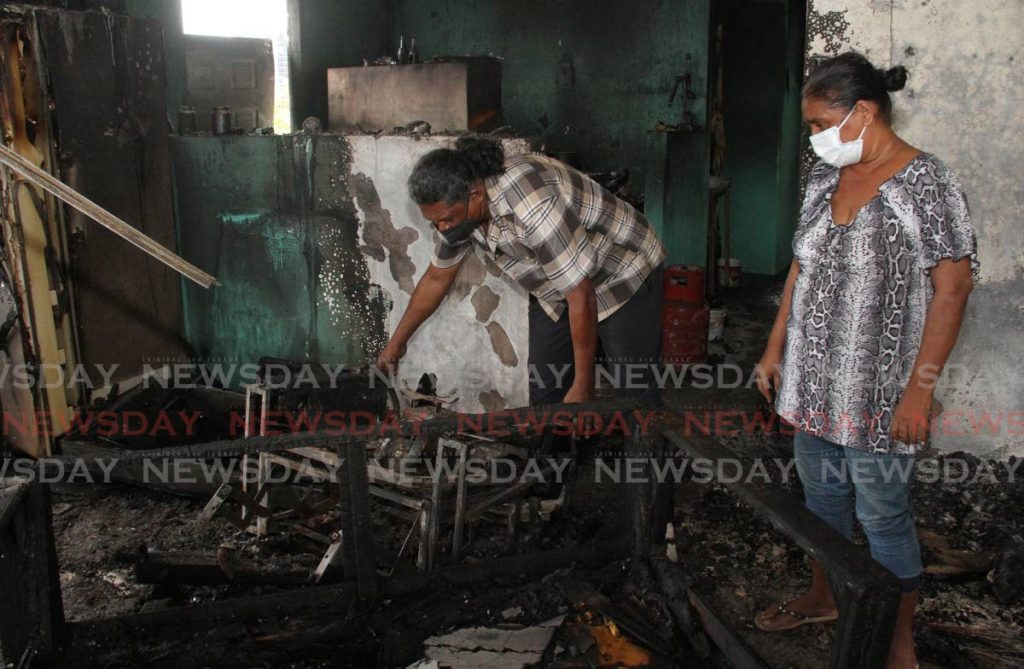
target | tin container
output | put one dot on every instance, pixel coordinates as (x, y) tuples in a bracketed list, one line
[(221, 120), (186, 120)]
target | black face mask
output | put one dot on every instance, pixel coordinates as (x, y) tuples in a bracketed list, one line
[(459, 234)]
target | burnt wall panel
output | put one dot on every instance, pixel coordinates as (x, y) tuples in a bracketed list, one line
[(112, 147)]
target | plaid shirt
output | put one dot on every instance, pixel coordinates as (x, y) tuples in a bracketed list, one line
[(552, 226)]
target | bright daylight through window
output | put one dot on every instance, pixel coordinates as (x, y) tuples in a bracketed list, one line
[(265, 19)]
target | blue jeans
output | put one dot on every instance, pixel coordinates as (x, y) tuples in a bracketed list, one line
[(838, 479)]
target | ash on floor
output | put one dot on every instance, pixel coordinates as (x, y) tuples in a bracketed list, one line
[(970, 613)]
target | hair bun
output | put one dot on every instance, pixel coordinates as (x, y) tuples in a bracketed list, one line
[(485, 154), (895, 78)]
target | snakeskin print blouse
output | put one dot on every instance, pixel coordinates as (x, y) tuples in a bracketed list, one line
[(861, 297)]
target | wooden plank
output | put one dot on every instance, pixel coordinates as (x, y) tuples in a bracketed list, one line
[(97, 213), (357, 548), (32, 613)]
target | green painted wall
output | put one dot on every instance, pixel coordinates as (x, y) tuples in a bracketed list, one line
[(792, 142), (762, 51), (272, 219), (624, 56)]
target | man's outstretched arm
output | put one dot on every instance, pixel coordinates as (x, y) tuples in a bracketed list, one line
[(425, 300)]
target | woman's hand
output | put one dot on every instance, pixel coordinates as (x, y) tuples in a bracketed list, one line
[(769, 374), (911, 421), (952, 282), (769, 370)]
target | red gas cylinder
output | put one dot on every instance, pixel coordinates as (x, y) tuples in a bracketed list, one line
[(684, 283), (684, 317)]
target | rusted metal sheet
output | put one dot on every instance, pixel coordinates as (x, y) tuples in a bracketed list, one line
[(461, 95)]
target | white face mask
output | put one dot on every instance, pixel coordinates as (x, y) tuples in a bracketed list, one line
[(834, 150)]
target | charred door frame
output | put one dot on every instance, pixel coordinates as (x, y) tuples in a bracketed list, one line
[(35, 240)]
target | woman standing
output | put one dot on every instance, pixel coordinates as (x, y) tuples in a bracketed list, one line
[(885, 255)]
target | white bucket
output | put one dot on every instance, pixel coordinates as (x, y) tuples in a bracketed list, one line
[(716, 324)]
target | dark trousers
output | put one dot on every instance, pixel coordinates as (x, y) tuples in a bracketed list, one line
[(630, 337)]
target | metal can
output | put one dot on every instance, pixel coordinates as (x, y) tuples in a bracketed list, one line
[(221, 120), (186, 120)]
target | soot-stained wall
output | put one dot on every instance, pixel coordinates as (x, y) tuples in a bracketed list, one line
[(330, 33), (963, 103), (272, 218), (478, 341), (168, 13), (318, 248)]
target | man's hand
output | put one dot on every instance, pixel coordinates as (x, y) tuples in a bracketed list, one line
[(388, 359), (912, 418), (578, 394), (769, 374), (429, 292)]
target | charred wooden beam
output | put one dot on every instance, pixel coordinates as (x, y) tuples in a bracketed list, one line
[(97, 642), (867, 593), (31, 611), (650, 499), (357, 541), (736, 650), (675, 583)]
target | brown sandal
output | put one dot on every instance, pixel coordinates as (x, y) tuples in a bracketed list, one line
[(763, 622)]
